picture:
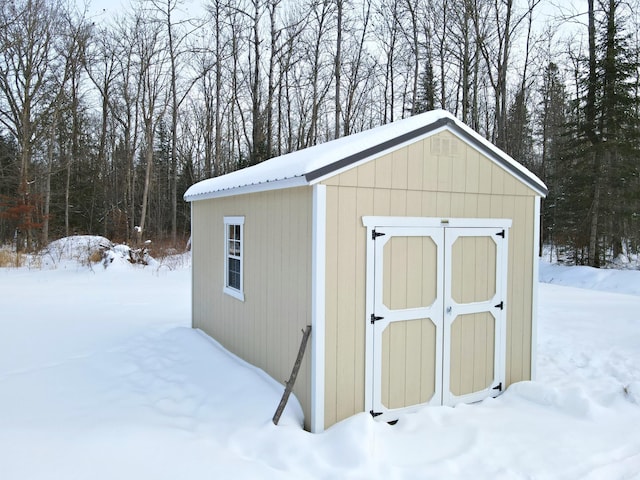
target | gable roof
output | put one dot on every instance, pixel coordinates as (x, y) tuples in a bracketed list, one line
[(312, 165)]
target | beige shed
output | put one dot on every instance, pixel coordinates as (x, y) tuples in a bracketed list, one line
[(411, 250)]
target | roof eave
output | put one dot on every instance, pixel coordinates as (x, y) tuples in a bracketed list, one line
[(291, 182)]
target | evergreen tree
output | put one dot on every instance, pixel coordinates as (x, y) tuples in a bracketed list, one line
[(426, 98), (8, 184), (600, 190), (553, 167), (519, 135)]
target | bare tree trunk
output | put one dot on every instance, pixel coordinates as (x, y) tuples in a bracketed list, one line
[(355, 76), (388, 15), (590, 113), (173, 175), (275, 35), (217, 165), (322, 17), (466, 62), (147, 183), (594, 257), (338, 68), (47, 185), (257, 124), (67, 190), (415, 49)]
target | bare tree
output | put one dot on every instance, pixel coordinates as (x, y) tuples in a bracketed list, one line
[(28, 68), (124, 107), (387, 28), (152, 52), (177, 32), (321, 13), (358, 68)]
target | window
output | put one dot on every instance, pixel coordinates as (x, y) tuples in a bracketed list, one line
[(233, 256)]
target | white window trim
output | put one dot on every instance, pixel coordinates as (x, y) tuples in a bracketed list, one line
[(235, 293)]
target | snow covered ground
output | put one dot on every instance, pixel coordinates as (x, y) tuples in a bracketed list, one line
[(102, 378)]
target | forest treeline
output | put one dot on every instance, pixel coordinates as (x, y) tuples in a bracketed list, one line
[(104, 122)]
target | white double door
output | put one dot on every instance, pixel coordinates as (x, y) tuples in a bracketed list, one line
[(437, 320)]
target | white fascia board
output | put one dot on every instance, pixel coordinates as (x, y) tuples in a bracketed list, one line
[(253, 188), (318, 297)]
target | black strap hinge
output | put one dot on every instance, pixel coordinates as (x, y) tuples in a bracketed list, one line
[(500, 305), (374, 319), (500, 234), (374, 414), (498, 387), (375, 234)]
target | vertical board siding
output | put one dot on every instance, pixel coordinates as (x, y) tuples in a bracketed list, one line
[(346, 281), (266, 328), (439, 176)]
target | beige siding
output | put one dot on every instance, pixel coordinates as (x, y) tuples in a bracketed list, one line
[(440, 176), (266, 328)]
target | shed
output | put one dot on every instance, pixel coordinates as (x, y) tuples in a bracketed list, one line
[(411, 250)]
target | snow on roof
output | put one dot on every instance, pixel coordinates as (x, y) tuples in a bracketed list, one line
[(307, 166)]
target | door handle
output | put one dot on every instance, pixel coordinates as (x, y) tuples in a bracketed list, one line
[(449, 310)]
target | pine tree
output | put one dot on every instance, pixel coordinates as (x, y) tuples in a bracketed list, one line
[(615, 150), (600, 189), (552, 168), (519, 135)]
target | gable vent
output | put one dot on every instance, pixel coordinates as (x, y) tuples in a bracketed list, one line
[(446, 147)]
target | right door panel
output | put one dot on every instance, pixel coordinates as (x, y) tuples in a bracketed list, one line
[(474, 314)]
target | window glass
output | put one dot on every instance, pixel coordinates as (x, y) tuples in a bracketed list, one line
[(233, 256)]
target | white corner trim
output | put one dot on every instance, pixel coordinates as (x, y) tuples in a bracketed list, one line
[(534, 297), (193, 272), (318, 296)]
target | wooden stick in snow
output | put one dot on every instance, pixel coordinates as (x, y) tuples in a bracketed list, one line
[(294, 374)]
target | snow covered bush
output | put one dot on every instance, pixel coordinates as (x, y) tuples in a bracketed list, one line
[(91, 250)]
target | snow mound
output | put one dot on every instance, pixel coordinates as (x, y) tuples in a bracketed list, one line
[(75, 249), (601, 279), (572, 401), (91, 250)]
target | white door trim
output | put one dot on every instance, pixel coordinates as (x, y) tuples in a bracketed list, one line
[(373, 222)]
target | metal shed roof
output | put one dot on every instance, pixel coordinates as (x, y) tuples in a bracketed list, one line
[(313, 164)]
